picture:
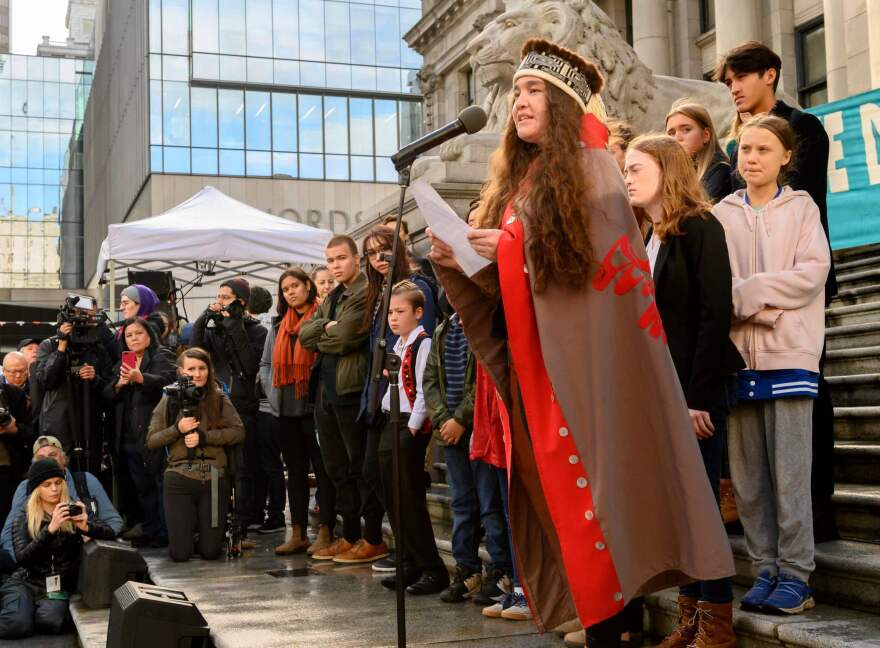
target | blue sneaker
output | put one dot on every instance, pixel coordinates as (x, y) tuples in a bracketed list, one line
[(761, 590), (791, 596)]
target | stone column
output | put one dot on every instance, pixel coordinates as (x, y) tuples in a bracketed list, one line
[(651, 34), (835, 50), (873, 7), (735, 23)]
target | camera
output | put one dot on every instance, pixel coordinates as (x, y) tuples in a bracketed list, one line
[(234, 309), (78, 310), (185, 392), (74, 510)]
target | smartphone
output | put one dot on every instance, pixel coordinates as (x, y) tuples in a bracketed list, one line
[(129, 359), (74, 510)]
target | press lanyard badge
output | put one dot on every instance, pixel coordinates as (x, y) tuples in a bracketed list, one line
[(53, 583)]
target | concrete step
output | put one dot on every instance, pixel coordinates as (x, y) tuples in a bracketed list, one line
[(858, 360), (847, 573), (858, 276), (847, 296), (855, 314), (857, 462), (860, 390), (857, 510), (91, 625), (826, 626), (849, 255), (857, 423), (852, 336), (860, 263)]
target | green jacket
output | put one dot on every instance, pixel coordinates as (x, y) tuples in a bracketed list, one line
[(434, 385), (345, 339)]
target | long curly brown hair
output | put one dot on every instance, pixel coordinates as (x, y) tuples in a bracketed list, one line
[(549, 187), (382, 237)]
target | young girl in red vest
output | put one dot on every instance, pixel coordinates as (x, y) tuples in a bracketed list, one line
[(423, 569)]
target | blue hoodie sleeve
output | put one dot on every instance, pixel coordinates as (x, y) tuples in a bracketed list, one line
[(106, 513), (18, 501)]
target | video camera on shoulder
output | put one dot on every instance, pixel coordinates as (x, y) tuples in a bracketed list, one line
[(80, 311)]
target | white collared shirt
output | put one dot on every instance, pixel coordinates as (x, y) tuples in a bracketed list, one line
[(418, 412)]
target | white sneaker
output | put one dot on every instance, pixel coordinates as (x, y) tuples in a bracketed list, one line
[(517, 608)]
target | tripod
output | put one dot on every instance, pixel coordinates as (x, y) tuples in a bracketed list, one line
[(385, 359)]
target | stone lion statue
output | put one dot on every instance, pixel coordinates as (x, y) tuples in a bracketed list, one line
[(632, 92)]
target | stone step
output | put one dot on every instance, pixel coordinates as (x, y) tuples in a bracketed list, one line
[(860, 390), (847, 573), (849, 255), (857, 423), (826, 626), (847, 296), (858, 360), (860, 263), (855, 314), (857, 510), (857, 462), (852, 336), (859, 276), (91, 625)]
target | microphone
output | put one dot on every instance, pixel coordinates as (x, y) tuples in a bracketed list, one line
[(470, 120)]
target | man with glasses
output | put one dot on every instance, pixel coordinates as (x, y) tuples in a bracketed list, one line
[(15, 421), (84, 487)]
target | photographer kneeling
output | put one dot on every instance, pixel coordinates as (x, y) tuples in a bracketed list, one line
[(235, 343), (193, 422), (48, 537)]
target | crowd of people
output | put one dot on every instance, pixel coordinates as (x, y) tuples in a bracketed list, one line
[(548, 393)]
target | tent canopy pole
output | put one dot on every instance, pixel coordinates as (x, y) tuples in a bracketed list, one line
[(112, 267)]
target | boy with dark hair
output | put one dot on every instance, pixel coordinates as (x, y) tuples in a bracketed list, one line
[(751, 73), (335, 333), (423, 569)]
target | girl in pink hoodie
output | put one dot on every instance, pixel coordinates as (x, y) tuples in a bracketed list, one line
[(779, 261)]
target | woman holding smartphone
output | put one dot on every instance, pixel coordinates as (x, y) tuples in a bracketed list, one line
[(145, 368), (48, 536)]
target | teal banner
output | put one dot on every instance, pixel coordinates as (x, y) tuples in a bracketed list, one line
[(853, 127)]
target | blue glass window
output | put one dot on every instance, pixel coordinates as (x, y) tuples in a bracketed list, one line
[(176, 159), (231, 162), (337, 167), (175, 26), (388, 37), (362, 168), (284, 123), (156, 36), (259, 163), (286, 72), (361, 124), (409, 57), (363, 34), (386, 127), (259, 117), (206, 66), (204, 161), (204, 119), (336, 21), (233, 68), (156, 113), (206, 30), (230, 109), (232, 27), (335, 127), (284, 164), (285, 22), (311, 139), (259, 70), (259, 27), (311, 29), (175, 114), (311, 167), (175, 68)]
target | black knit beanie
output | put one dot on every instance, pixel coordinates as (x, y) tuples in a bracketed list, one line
[(240, 288), (40, 471)]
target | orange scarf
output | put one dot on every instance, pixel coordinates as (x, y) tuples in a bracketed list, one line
[(292, 365)]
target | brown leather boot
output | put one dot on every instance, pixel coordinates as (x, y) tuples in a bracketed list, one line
[(322, 540), (298, 542), (684, 634), (728, 502), (715, 629)]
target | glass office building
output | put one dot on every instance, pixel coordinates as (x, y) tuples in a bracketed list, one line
[(295, 89), (42, 101)]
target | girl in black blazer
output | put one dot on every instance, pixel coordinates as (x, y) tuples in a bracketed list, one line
[(691, 270)]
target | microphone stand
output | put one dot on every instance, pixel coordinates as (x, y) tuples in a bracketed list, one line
[(386, 359)]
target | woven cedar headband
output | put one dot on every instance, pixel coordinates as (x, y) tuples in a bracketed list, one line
[(561, 72)]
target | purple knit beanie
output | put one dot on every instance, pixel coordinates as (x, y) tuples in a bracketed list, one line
[(145, 297)]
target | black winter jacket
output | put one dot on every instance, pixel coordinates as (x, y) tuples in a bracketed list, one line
[(135, 403), (716, 179), (17, 447), (810, 172), (36, 557), (236, 347), (693, 293)]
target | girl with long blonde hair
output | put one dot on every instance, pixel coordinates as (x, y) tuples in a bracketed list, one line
[(690, 124)]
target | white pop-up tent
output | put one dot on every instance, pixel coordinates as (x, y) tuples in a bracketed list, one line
[(210, 234)]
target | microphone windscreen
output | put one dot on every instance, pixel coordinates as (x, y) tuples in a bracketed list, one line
[(473, 118)]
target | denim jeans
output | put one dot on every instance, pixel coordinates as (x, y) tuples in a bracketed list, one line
[(477, 497)]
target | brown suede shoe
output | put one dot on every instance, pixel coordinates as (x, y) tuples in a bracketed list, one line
[(298, 542), (715, 628), (341, 545), (362, 552), (248, 544), (684, 634), (322, 540), (728, 502)]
